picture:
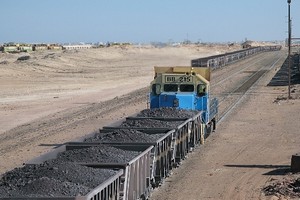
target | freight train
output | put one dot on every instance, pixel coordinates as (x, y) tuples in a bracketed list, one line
[(217, 61), (126, 160)]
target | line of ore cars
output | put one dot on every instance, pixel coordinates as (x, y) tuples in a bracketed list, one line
[(129, 158)]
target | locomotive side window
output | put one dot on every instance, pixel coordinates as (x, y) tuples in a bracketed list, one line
[(201, 90), (186, 88), (170, 88), (156, 89)]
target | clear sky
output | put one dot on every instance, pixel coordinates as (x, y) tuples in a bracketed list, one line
[(60, 21)]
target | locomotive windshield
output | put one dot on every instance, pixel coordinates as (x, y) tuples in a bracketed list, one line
[(170, 88), (186, 88), (182, 88)]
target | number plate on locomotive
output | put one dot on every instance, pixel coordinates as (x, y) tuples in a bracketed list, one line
[(178, 79)]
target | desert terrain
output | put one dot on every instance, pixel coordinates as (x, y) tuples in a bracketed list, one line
[(54, 97)]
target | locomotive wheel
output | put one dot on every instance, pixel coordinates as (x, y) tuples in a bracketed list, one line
[(214, 125), (202, 135)]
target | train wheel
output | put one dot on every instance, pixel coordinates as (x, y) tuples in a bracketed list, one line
[(202, 134), (208, 129), (214, 124)]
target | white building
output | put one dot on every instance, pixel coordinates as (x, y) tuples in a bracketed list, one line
[(78, 46)]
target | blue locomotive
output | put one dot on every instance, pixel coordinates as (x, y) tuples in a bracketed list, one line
[(185, 88)]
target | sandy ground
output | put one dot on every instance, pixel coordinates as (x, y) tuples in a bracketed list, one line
[(55, 97)]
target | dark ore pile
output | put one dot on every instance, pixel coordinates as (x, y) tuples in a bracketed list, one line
[(151, 123), (288, 187), (167, 113), (49, 187), (52, 179), (98, 154), (124, 135)]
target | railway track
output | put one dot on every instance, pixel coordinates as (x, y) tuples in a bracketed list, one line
[(232, 87), (54, 124)]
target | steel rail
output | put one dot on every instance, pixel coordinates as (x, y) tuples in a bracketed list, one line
[(243, 95), (231, 93), (238, 72)]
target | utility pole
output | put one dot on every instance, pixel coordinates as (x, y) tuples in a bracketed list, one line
[(289, 46)]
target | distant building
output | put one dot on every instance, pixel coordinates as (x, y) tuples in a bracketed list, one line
[(247, 44), (16, 48), (79, 46), (39, 47), (23, 47), (43, 46)]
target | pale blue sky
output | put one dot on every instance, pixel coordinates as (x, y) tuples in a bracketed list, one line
[(145, 21)]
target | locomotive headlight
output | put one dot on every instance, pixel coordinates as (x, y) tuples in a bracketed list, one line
[(165, 97), (176, 102)]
